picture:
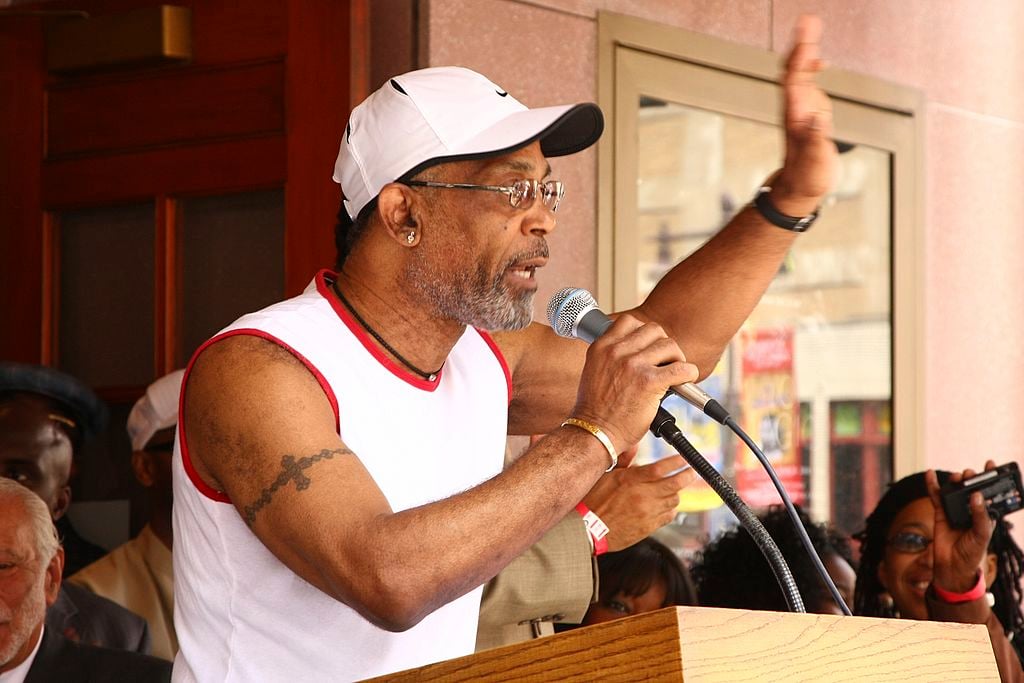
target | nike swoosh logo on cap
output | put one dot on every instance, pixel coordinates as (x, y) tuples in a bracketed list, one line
[(502, 93)]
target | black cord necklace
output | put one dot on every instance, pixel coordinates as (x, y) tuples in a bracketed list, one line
[(428, 376)]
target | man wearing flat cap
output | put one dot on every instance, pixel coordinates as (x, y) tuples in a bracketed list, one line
[(55, 414), (338, 483), (45, 417)]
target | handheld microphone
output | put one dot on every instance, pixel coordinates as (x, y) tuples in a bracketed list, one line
[(573, 313)]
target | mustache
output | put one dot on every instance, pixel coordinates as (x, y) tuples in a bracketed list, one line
[(538, 250)]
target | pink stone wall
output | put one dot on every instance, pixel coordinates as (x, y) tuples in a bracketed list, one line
[(967, 57)]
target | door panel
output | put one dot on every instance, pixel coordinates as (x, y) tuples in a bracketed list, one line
[(231, 261), (170, 108), (106, 289)]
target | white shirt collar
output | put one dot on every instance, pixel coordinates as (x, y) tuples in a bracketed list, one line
[(18, 673)]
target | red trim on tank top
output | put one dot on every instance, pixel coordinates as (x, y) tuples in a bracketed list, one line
[(501, 359), (367, 341), (186, 460)]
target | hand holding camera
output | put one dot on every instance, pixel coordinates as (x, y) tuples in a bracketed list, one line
[(1000, 489), (959, 551)]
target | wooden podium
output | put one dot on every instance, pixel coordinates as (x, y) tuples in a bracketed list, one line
[(710, 644)]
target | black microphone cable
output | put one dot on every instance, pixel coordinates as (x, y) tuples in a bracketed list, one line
[(664, 427)]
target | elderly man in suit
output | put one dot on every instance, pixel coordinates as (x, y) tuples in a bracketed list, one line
[(31, 561)]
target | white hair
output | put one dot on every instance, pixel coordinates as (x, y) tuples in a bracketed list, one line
[(44, 533)]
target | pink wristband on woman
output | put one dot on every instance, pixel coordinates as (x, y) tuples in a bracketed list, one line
[(597, 529), (957, 598)]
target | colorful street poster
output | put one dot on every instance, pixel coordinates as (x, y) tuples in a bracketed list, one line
[(770, 414)]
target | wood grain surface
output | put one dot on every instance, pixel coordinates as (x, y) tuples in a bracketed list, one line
[(702, 644)]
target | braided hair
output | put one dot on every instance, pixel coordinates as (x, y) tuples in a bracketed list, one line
[(1006, 589), (731, 570)]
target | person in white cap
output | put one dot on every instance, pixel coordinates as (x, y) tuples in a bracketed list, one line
[(338, 484), (139, 574)]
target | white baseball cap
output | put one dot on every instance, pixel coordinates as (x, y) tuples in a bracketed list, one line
[(442, 114), (156, 410)]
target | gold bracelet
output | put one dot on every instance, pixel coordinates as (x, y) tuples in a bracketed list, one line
[(601, 436)]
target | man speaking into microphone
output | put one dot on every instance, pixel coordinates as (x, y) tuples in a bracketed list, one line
[(339, 499)]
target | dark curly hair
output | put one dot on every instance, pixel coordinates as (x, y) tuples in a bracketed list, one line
[(633, 570), (732, 572), (1006, 589)]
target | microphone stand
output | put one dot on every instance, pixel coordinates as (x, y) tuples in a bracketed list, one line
[(695, 396), (664, 427)]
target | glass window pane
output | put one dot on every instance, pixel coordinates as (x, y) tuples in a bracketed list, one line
[(820, 337), (847, 419), (861, 459), (232, 261), (105, 327)]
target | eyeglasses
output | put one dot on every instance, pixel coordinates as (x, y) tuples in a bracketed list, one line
[(521, 193), (909, 542)]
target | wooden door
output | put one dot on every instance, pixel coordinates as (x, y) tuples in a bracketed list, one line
[(142, 208)]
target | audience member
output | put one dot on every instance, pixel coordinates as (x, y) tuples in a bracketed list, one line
[(642, 578), (732, 572), (45, 415), (915, 566), (139, 574), (73, 415), (31, 562)]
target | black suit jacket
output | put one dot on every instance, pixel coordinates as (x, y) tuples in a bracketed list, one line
[(62, 660), (83, 616)]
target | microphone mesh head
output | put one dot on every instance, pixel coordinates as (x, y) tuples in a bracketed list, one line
[(566, 307)]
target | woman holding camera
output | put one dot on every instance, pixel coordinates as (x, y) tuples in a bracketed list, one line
[(914, 565)]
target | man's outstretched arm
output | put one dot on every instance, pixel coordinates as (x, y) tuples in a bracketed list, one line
[(703, 300)]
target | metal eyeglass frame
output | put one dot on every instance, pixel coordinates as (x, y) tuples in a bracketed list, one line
[(549, 191), (899, 543)]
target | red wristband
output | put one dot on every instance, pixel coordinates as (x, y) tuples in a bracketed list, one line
[(957, 598), (597, 529)]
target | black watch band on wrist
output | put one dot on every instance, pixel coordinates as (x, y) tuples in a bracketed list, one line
[(763, 203)]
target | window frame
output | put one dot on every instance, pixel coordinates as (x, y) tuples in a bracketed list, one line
[(622, 38)]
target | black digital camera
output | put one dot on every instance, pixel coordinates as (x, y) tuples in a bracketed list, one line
[(1001, 489)]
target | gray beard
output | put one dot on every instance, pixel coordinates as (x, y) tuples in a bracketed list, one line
[(470, 298), (33, 613)]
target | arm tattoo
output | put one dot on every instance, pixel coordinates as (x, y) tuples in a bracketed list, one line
[(291, 469)]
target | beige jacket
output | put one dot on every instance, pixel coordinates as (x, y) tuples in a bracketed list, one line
[(555, 580)]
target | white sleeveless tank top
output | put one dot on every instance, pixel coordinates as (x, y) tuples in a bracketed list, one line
[(242, 615)]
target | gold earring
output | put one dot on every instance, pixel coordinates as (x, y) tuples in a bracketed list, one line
[(410, 237)]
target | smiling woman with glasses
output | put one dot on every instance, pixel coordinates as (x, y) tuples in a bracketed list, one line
[(908, 553)]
